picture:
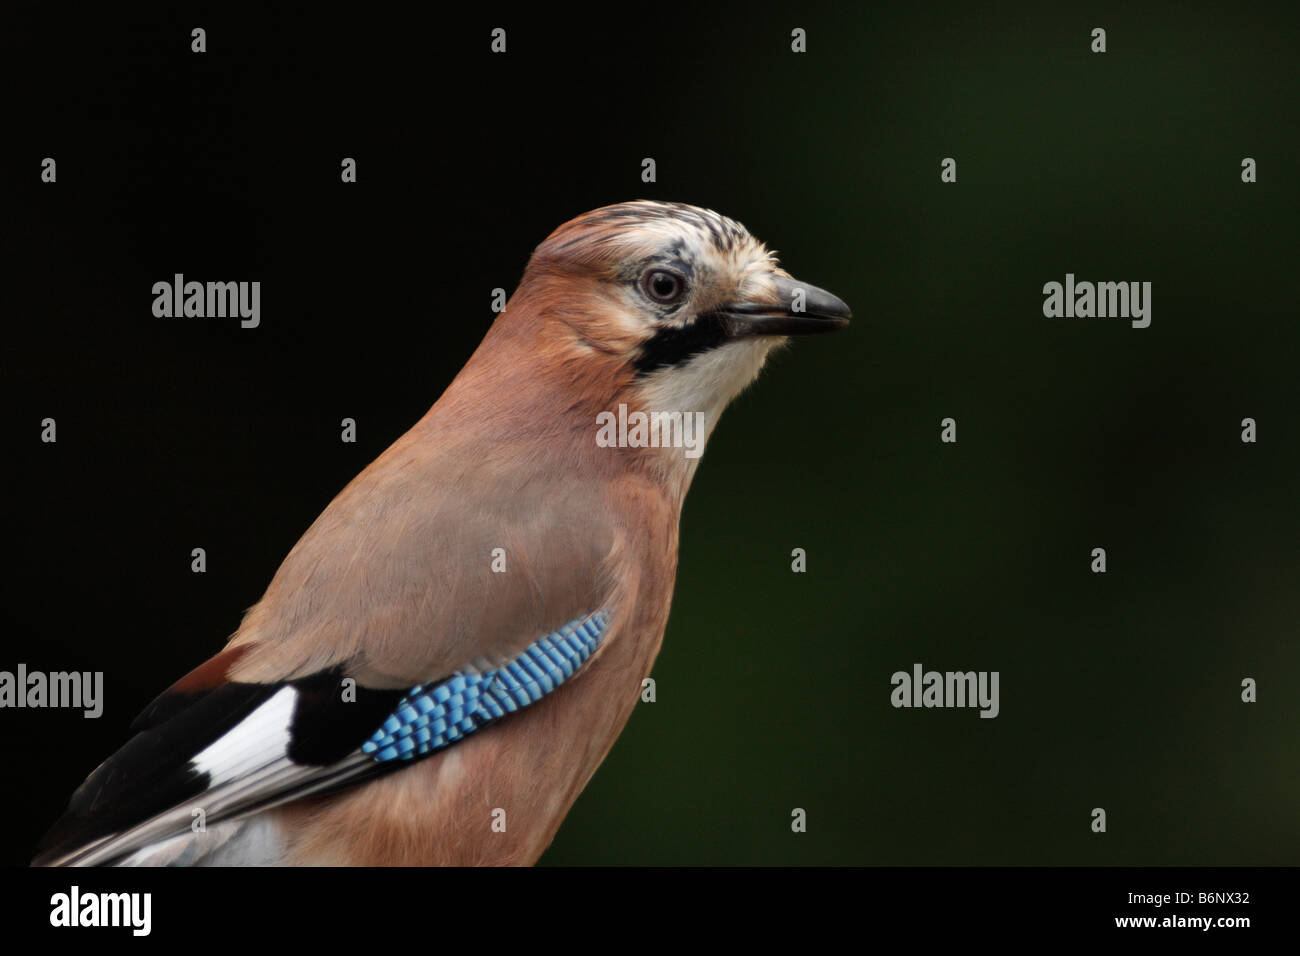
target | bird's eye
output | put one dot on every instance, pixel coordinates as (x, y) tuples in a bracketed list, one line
[(663, 286)]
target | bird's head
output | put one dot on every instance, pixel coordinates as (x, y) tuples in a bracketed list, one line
[(685, 301), (659, 307)]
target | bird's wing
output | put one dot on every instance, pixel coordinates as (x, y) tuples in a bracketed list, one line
[(399, 588), (217, 750)]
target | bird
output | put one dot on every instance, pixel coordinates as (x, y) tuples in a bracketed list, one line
[(446, 656)]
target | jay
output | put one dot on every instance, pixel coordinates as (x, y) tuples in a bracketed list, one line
[(443, 660)]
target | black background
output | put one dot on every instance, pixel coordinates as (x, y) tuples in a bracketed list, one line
[(1118, 690)]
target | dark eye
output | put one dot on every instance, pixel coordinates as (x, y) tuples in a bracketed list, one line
[(663, 286)]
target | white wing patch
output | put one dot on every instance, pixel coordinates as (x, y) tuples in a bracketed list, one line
[(259, 739)]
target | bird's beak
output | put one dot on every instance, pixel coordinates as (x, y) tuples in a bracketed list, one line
[(796, 308)]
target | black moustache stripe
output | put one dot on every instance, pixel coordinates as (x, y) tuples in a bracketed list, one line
[(673, 345)]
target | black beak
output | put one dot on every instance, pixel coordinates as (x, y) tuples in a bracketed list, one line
[(796, 309)]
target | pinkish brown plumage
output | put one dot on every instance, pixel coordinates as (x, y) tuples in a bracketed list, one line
[(651, 306)]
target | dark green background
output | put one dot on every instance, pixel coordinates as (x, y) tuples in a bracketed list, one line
[(1118, 691)]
